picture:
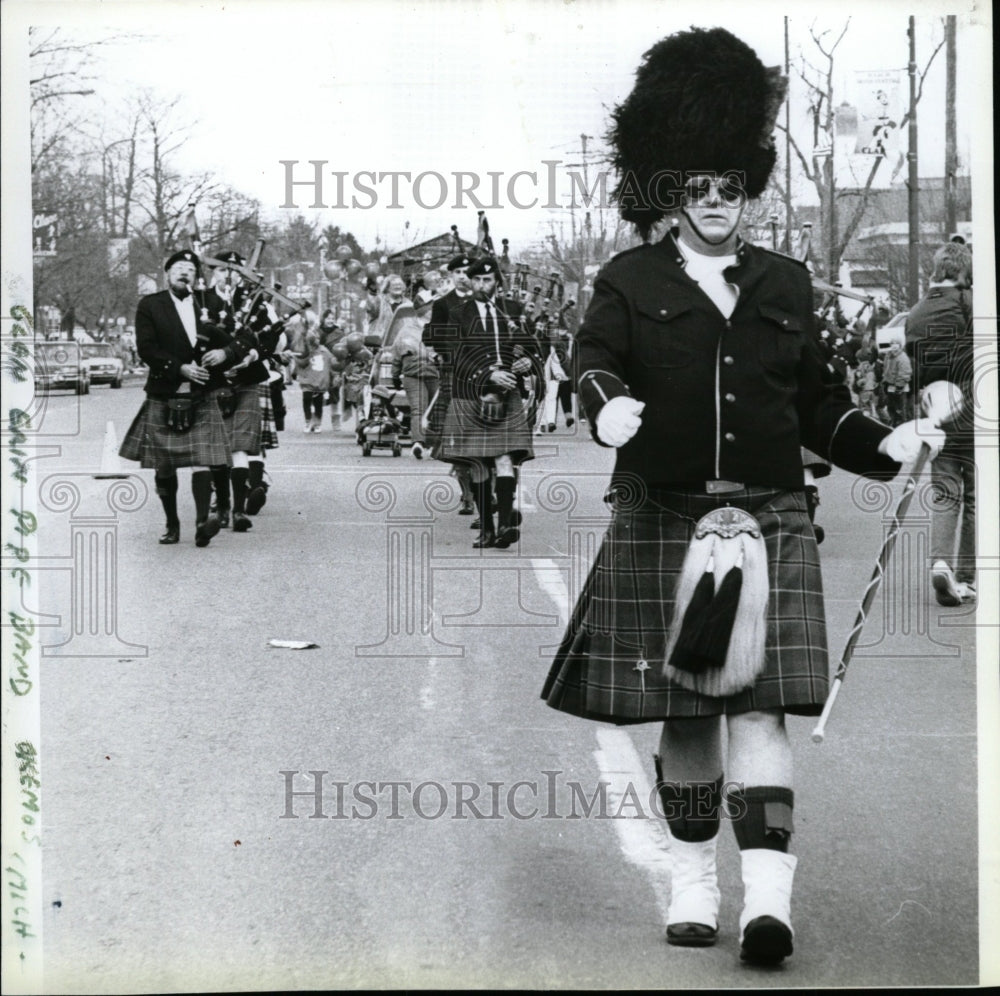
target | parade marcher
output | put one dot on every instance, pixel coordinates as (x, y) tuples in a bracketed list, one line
[(314, 370), (247, 396), (443, 328), (939, 337), (698, 360), (487, 425), (180, 423)]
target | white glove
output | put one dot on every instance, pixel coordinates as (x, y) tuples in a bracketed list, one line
[(904, 442), (618, 421)]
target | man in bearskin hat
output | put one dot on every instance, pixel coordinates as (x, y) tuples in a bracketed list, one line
[(180, 423), (698, 361), (490, 359)]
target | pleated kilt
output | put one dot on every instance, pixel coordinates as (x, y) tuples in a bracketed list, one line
[(244, 425), (466, 436), (624, 611), (152, 444), (268, 429)]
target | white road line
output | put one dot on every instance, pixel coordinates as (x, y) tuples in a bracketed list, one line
[(427, 692), (551, 581), (644, 842)]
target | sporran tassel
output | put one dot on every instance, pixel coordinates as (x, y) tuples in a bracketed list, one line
[(719, 650)]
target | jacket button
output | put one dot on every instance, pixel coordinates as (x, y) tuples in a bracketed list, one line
[(728, 360), (729, 324), (663, 311), (730, 438), (730, 398)]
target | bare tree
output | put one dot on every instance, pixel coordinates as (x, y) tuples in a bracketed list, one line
[(818, 166)]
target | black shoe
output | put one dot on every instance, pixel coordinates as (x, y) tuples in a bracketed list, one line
[(485, 540), (552, 427), (205, 530), (766, 941), (241, 523), (569, 425), (256, 500), (507, 536), (474, 524), (467, 508), (223, 515), (692, 935), (171, 536)]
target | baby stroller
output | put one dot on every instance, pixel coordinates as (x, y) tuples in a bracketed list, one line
[(381, 428)]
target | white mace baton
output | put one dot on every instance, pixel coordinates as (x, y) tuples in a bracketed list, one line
[(940, 401)]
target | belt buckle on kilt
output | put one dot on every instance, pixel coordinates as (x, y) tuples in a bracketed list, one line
[(722, 487)]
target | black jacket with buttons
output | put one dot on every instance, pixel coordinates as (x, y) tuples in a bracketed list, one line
[(725, 399), (163, 345)]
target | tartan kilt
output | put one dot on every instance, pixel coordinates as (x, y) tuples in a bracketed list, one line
[(465, 436), (152, 444), (244, 425), (624, 611), (268, 428)]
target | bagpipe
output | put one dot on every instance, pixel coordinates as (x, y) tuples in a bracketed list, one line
[(247, 305)]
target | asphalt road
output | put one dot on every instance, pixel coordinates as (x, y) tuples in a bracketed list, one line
[(168, 721)]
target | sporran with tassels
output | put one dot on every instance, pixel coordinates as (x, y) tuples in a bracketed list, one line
[(716, 642)]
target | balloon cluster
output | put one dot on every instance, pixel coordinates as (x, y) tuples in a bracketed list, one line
[(350, 349), (345, 266)]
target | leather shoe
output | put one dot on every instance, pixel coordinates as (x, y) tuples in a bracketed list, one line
[(507, 537), (241, 523), (256, 500), (691, 935), (205, 530), (172, 535), (766, 941), (485, 540), (467, 508), (223, 514)]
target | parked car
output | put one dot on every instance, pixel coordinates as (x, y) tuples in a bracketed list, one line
[(104, 366), (60, 364)]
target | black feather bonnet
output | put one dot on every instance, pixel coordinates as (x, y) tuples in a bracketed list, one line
[(702, 102)]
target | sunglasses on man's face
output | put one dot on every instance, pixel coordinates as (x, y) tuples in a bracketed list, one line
[(703, 188)]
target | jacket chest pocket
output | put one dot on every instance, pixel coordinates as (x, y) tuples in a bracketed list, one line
[(779, 340), (665, 335)]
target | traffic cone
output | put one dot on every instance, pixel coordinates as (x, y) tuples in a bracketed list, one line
[(111, 465)]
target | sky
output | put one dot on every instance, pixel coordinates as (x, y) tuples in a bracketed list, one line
[(499, 86)]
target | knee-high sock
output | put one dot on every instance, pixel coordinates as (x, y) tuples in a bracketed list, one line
[(201, 488), (762, 817), (256, 473), (239, 475), (166, 488), (484, 504), (220, 479), (505, 501)]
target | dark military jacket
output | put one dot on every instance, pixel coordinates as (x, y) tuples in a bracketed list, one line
[(726, 399)]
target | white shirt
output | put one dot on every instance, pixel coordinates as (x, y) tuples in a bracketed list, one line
[(707, 271), (185, 309)]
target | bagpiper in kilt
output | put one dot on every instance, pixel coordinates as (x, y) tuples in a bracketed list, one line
[(492, 360), (699, 362), (245, 408), (180, 423)]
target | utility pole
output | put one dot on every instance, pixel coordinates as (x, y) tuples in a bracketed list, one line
[(950, 134), (788, 150), (913, 284)]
